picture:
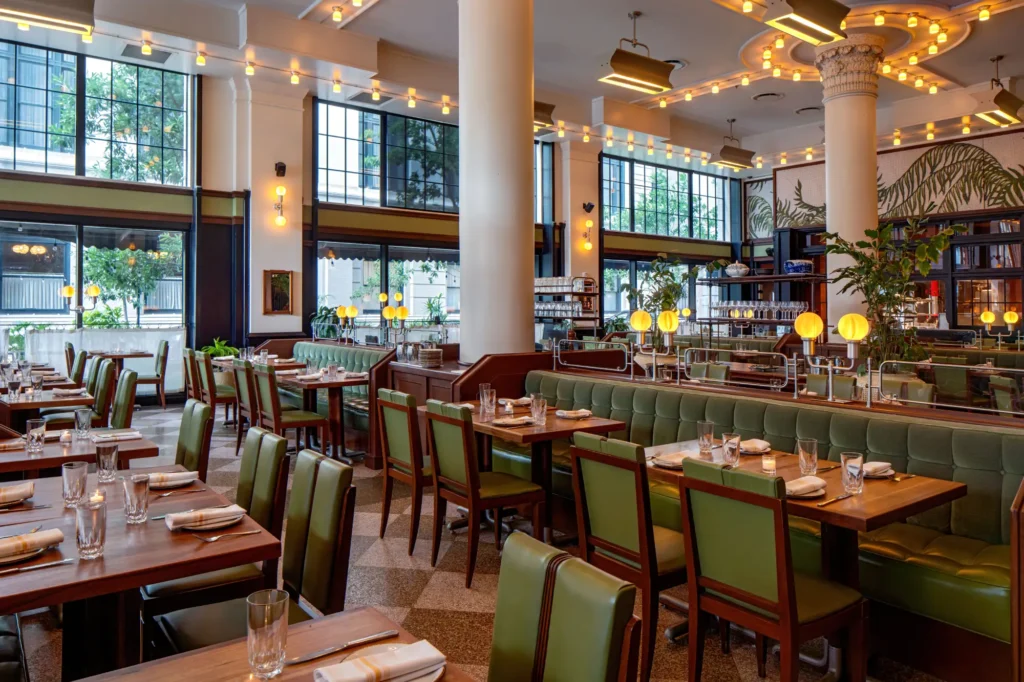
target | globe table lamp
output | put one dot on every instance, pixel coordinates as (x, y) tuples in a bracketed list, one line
[(640, 322), (668, 323), (987, 318), (1011, 318), (809, 326), (854, 328)]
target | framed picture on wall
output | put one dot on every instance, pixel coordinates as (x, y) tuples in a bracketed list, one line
[(277, 292)]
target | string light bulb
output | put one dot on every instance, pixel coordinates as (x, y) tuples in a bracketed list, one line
[(412, 98), (796, 75), (809, 155), (933, 27), (984, 13), (919, 82), (748, 6), (714, 88), (912, 20), (375, 94), (930, 135), (745, 80), (842, 25), (586, 133), (22, 26), (561, 128), (336, 86), (650, 149), (966, 130), (766, 64), (357, 3), (250, 70), (609, 141), (933, 48), (688, 96), (87, 38), (879, 18), (896, 138), (933, 89), (776, 72), (912, 60), (686, 155), (336, 14), (147, 49), (668, 151), (760, 161), (663, 103), (782, 160), (942, 37), (767, 54), (703, 159), (295, 78), (200, 59), (886, 67), (903, 75), (780, 42)]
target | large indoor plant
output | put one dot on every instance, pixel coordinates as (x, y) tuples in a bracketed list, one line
[(663, 286), (880, 271)]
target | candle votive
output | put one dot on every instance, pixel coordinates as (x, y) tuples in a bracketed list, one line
[(91, 528), (65, 437), (768, 464), (97, 496)]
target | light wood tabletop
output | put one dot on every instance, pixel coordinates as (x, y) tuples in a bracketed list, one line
[(119, 354), (554, 427), (273, 362), (54, 454), (47, 398)]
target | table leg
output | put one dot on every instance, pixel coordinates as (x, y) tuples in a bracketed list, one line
[(118, 368), (336, 412), (540, 473), (840, 562), (90, 650)]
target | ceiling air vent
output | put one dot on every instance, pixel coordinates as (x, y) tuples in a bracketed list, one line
[(809, 110), (135, 52), (367, 99), (768, 97)]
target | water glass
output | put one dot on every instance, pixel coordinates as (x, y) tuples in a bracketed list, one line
[(807, 452), (83, 423), (538, 408), (37, 383), (91, 528), (731, 449), (332, 372), (853, 472), (35, 430), (263, 356), (136, 498), (488, 401), (106, 462), (705, 438), (267, 618), (73, 475), (13, 384)]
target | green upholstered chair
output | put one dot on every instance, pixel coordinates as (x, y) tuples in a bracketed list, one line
[(248, 411), (124, 400), (262, 489), (69, 355), (158, 378), (955, 360), (402, 453), (314, 559), (103, 396), (215, 394), (843, 386), (78, 368), (560, 618), (920, 391), (77, 375), (953, 385), (458, 479), (894, 387), (194, 434), (613, 519), (698, 370), (741, 570), (276, 420), (13, 667), (718, 373), (192, 388), (1005, 395)]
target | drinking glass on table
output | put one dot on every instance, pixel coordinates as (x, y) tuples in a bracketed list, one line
[(332, 373), (37, 384), (106, 462), (83, 422), (35, 434), (705, 438), (264, 356), (91, 528), (73, 476), (731, 448), (14, 384), (538, 408), (807, 453), (853, 472), (488, 401), (267, 625), (136, 498)]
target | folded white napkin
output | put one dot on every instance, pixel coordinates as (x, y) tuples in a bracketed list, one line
[(173, 477), (115, 436), (271, 356), (573, 414), (280, 360), (874, 468), (804, 485), (401, 665), (512, 421), (225, 357), (515, 401), (20, 491), (54, 378), (355, 375), (12, 445), (286, 372), (201, 516), (21, 544), (315, 376), (70, 391), (675, 459), (754, 445), (804, 391)]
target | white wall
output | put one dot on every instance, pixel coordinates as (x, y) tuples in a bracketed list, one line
[(579, 184)]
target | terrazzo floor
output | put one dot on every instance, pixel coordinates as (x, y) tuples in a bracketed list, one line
[(431, 603)]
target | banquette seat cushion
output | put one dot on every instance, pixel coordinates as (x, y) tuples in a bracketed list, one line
[(951, 563)]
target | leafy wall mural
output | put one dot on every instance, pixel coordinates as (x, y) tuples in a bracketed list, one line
[(758, 200), (951, 177)]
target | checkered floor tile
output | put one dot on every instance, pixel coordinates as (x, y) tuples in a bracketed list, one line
[(430, 602)]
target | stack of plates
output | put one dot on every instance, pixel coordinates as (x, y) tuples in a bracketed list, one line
[(430, 357)]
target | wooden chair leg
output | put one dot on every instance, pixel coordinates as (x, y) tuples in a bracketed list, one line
[(857, 650), (695, 645), (238, 442), (163, 395), (725, 628), (440, 509), (385, 510), (649, 635), (789, 663), (417, 505), (538, 521), (761, 653), (497, 529), (474, 541)]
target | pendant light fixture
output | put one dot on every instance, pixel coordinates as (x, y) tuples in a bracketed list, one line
[(733, 156), (814, 21), (68, 17), (998, 106), (635, 71), (542, 115)]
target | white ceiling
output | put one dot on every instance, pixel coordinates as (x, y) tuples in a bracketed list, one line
[(969, 62)]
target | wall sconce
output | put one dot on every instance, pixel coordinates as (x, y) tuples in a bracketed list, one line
[(588, 245), (280, 220), (92, 291)]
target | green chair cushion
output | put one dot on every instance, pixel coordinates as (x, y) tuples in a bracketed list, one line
[(292, 416), (201, 581), (225, 391), (495, 484), (203, 626), (816, 597), (669, 548), (428, 471)]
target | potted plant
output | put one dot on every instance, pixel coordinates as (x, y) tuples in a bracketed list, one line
[(436, 311), (663, 286), (219, 349), (325, 322), (880, 270)]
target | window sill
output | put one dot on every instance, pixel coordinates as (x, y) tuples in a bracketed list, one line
[(384, 210), (77, 180)]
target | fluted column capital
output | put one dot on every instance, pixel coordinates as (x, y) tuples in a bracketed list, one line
[(850, 67)]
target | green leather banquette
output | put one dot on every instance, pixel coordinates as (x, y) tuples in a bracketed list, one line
[(951, 564)]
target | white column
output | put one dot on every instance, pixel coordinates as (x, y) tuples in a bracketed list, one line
[(849, 75), (496, 176), (579, 170)]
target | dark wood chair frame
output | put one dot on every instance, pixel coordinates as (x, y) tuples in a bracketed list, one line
[(192, 389), (1014, 394), (417, 480), (209, 395), (468, 495), (270, 417), (646, 577), (785, 627), (160, 382), (204, 454), (241, 411)]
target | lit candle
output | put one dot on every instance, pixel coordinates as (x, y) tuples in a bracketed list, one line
[(97, 497), (65, 436), (768, 464)]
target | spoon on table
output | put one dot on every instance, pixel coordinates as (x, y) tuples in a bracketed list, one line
[(180, 492)]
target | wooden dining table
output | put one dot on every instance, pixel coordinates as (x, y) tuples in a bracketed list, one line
[(118, 356), (105, 591), (882, 502), (17, 409), (335, 406), (228, 662), (540, 438), (272, 362)]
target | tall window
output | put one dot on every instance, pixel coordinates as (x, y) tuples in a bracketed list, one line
[(543, 183), (615, 195), (36, 262), (136, 123), (615, 301), (710, 212), (348, 157), (428, 279), (422, 164), (661, 200), (37, 109), (350, 275)]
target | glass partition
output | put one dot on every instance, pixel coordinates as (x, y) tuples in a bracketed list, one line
[(429, 281), (616, 301), (349, 275), (975, 296), (37, 261)]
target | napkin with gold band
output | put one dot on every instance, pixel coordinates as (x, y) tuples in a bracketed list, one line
[(12, 445), (21, 491), (70, 391), (201, 517), (172, 477), (573, 414), (54, 378), (405, 664), (315, 376), (805, 485), (20, 544), (116, 435), (286, 372)]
